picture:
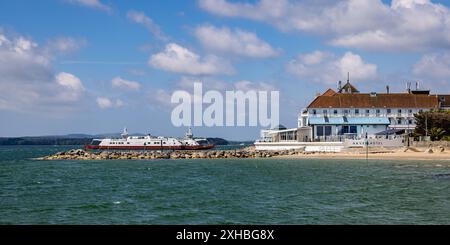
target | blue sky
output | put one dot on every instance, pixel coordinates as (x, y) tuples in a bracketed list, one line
[(95, 66)]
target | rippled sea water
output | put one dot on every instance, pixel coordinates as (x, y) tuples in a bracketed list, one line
[(224, 191)]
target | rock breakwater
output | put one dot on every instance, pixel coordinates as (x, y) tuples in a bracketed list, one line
[(80, 154)]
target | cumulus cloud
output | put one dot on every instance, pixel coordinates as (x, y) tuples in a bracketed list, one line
[(235, 41), (147, 22), (435, 67), (178, 59), (162, 97), (107, 103), (95, 4), (27, 78), (121, 83), (73, 88), (404, 25), (327, 68)]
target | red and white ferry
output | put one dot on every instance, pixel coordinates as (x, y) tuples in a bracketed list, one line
[(149, 142)]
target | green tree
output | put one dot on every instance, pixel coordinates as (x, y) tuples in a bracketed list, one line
[(426, 121), (436, 133)]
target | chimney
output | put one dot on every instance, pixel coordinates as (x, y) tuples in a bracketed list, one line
[(408, 87), (339, 86), (387, 89), (417, 85)]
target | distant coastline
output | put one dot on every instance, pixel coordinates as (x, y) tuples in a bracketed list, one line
[(81, 139)]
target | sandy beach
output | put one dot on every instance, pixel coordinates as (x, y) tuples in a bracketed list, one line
[(394, 155)]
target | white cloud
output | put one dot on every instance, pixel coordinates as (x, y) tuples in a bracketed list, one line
[(96, 4), (235, 41), (178, 59), (69, 81), (107, 103), (405, 25), (326, 68), (65, 44), (72, 88), (434, 66), (246, 85), (28, 81), (408, 3), (187, 83), (162, 97), (118, 82), (141, 18)]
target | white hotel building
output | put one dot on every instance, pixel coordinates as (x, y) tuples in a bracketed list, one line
[(347, 113)]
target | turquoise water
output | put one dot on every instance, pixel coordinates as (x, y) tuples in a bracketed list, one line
[(238, 191)]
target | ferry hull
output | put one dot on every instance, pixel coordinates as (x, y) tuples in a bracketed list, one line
[(149, 148)]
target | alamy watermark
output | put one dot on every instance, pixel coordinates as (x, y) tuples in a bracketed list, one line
[(238, 108)]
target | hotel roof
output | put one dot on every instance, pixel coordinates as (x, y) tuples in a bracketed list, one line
[(391, 100), (444, 100)]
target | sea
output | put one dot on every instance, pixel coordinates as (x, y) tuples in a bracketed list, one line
[(220, 191)]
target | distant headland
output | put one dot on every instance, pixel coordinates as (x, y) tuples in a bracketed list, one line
[(82, 139)]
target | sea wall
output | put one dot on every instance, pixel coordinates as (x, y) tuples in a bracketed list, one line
[(429, 144)]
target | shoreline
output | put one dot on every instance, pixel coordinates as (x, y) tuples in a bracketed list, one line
[(427, 154), (400, 156)]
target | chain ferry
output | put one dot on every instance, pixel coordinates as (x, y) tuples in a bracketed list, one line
[(149, 142)]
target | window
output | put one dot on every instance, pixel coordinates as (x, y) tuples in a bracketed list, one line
[(378, 111), (389, 111), (367, 111), (319, 130), (323, 131), (356, 111), (327, 130), (410, 121), (335, 112), (409, 111), (420, 111), (349, 129), (325, 112), (345, 112), (399, 121), (314, 112), (344, 130), (399, 111)]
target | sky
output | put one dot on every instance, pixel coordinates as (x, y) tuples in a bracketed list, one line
[(95, 66)]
